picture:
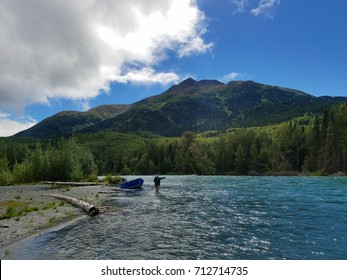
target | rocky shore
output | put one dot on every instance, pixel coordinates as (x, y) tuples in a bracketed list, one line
[(27, 210)]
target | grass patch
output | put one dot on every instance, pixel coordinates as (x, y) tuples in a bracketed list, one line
[(50, 205), (70, 214), (52, 220), (17, 209), (13, 203), (16, 212)]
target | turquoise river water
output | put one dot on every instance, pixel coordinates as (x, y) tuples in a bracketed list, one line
[(209, 217)]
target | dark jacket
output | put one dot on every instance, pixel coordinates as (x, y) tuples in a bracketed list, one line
[(157, 180)]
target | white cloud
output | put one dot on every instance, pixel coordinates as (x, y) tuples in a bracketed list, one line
[(73, 49), (4, 115), (230, 77), (233, 76), (147, 75), (240, 5), (265, 8), (9, 127), (85, 105), (195, 44)]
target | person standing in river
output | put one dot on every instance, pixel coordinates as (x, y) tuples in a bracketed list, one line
[(157, 180)]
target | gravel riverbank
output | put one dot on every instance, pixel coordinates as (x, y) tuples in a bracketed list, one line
[(34, 211)]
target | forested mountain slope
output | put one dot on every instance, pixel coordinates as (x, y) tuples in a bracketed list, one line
[(191, 106)]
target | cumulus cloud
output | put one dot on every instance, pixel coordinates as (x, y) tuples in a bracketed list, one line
[(73, 49), (265, 8), (9, 127)]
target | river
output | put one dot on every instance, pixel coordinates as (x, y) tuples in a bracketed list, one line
[(209, 217)]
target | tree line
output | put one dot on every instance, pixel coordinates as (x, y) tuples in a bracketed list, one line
[(309, 145), (61, 160)]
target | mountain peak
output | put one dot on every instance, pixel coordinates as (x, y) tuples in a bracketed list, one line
[(191, 82), (188, 82), (210, 83)]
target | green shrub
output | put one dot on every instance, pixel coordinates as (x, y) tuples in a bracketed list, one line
[(93, 178), (6, 178), (113, 180)]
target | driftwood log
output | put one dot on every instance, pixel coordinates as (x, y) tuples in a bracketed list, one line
[(89, 208), (73, 184)]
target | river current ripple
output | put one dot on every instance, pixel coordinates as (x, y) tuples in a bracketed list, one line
[(209, 217)]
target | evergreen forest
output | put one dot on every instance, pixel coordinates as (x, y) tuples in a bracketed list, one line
[(309, 145)]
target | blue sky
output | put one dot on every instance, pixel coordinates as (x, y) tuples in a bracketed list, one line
[(70, 55)]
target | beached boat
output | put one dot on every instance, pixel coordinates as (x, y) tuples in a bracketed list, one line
[(131, 185)]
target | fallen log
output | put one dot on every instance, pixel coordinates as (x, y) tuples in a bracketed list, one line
[(89, 208), (72, 184)]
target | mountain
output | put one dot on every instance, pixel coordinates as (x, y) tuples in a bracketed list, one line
[(191, 105), (212, 105), (69, 122)]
